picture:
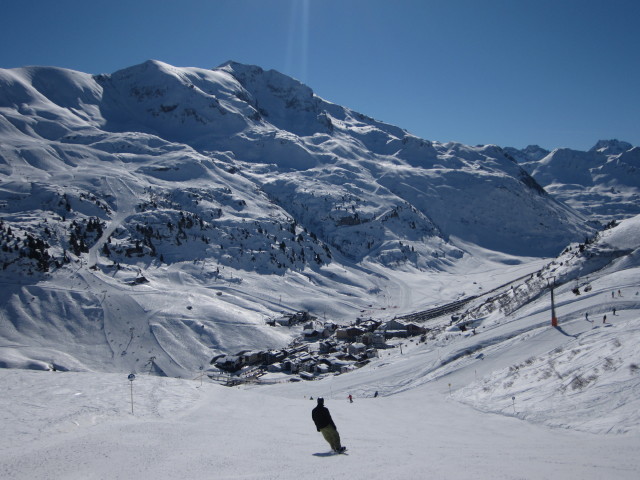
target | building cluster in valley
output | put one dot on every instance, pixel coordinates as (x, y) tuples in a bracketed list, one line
[(323, 347)]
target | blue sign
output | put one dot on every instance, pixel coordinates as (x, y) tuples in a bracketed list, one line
[(131, 377)]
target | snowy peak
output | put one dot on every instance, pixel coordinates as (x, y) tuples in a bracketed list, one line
[(66, 88), (47, 102), (272, 87), (61, 87), (527, 154), (280, 100), (611, 147), (179, 104)]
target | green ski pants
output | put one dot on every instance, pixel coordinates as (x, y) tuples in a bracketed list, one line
[(332, 436)]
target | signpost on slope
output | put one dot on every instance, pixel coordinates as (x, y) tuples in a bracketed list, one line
[(554, 319), (131, 378)]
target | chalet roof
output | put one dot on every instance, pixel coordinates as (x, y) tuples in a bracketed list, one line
[(369, 322), (335, 361), (352, 329), (311, 331), (397, 321)]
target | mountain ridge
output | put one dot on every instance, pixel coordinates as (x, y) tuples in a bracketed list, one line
[(602, 183), (187, 113)]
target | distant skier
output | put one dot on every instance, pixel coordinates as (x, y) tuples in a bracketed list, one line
[(324, 424), (604, 319), (586, 317), (350, 398), (375, 395), (614, 310)]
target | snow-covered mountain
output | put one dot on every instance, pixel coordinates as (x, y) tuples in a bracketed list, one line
[(530, 153), (157, 217), (602, 183), (178, 124), (158, 204)]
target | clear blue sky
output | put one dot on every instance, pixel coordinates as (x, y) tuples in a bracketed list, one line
[(559, 73)]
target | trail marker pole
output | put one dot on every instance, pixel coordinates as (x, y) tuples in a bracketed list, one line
[(554, 319), (131, 378), (513, 399)]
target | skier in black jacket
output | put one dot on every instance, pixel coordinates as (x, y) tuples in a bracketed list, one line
[(324, 424)]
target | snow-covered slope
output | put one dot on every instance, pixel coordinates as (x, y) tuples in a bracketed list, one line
[(602, 183), (508, 347), (557, 402)]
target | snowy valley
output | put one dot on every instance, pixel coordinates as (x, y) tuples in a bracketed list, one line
[(159, 217)]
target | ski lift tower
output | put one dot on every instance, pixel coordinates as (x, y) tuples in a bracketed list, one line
[(554, 319)]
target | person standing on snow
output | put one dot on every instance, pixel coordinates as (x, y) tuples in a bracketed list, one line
[(324, 424)]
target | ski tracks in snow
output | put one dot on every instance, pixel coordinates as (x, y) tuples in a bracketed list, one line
[(126, 206)]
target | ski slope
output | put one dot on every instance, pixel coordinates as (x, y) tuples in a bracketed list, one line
[(517, 399), (79, 426)]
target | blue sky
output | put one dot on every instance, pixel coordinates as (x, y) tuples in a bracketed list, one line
[(558, 73)]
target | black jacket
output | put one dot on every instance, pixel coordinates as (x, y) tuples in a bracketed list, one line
[(322, 417)]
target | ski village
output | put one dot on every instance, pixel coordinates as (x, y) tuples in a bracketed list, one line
[(330, 347), (195, 260), (324, 347)]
